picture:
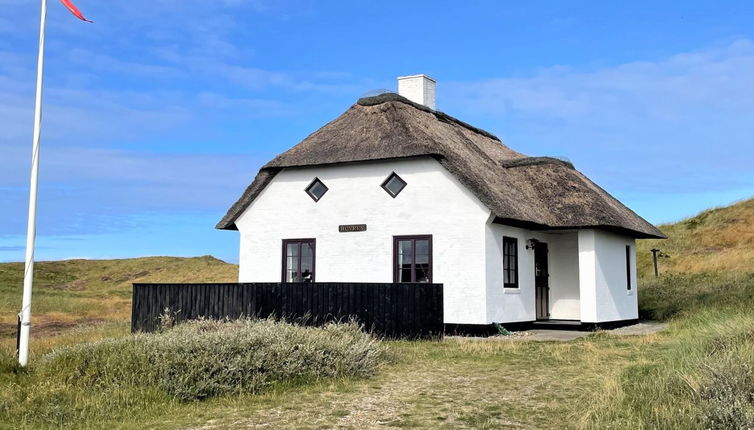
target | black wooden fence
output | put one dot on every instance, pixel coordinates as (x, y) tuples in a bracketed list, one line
[(391, 310)]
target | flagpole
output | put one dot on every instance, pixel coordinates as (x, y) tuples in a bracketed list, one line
[(31, 233)]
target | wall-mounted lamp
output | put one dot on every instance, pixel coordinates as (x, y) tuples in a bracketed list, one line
[(531, 243)]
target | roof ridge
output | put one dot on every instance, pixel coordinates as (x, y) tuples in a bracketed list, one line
[(442, 116), (531, 161)]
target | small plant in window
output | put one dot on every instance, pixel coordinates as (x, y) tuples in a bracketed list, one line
[(394, 184), (316, 189)]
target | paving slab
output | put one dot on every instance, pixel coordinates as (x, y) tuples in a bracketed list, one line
[(550, 335), (641, 328), (558, 335)]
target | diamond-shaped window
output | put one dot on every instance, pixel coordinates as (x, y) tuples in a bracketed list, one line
[(394, 184), (316, 189)]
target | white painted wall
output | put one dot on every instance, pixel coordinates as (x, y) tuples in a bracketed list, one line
[(518, 305), (509, 305), (433, 202), (602, 272), (564, 275)]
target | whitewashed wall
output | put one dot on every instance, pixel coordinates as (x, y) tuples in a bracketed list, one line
[(433, 202), (518, 305), (602, 271), (564, 275), (509, 305)]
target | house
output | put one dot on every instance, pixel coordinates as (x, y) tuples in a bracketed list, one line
[(394, 190)]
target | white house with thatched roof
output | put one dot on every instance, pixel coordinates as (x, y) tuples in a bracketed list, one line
[(395, 191)]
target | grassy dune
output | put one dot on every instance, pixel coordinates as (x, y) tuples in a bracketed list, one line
[(73, 293), (719, 240)]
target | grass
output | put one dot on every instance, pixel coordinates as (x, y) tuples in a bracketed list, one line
[(454, 384), (719, 240), (681, 384), (697, 374), (601, 381), (682, 294), (73, 293)]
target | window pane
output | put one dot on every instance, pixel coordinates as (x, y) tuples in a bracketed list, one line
[(405, 252), (422, 272), (422, 252), (394, 185), (318, 189), (404, 275), (307, 262), (405, 260), (291, 269)]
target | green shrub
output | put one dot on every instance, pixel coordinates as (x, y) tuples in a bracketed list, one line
[(727, 396), (106, 380), (200, 359)]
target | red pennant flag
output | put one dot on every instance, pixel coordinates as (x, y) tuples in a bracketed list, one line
[(74, 10)]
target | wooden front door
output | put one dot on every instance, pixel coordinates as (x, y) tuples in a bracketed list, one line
[(541, 281)]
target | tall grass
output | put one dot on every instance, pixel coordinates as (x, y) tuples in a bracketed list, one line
[(98, 382), (679, 294), (702, 377)]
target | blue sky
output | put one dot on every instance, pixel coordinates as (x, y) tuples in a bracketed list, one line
[(158, 115)]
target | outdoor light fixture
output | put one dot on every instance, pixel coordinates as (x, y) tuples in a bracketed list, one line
[(531, 243)]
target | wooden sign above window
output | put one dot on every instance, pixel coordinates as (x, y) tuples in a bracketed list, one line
[(348, 228)]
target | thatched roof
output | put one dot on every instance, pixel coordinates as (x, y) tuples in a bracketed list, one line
[(533, 192)]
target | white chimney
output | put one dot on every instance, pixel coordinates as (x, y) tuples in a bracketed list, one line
[(418, 88)]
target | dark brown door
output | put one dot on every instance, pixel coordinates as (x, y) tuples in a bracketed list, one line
[(541, 281)]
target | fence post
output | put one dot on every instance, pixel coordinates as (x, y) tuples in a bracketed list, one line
[(654, 260)]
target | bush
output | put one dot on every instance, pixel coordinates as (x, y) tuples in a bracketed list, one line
[(200, 359), (727, 396)]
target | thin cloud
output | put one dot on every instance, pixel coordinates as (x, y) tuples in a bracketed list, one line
[(674, 125)]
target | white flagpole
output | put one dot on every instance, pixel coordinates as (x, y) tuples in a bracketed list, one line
[(31, 233)]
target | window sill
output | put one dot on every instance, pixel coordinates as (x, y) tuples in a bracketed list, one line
[(630, 292), (511, 291)]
